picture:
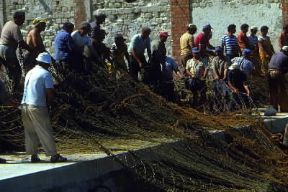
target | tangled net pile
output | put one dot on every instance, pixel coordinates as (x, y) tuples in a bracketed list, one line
[(98, 112)]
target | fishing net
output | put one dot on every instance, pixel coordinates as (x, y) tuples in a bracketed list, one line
[(100, 113)]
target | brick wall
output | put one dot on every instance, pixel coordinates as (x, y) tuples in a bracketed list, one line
[(284, 4), (180, 17)]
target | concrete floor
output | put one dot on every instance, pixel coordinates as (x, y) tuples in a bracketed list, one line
[(18, 164)]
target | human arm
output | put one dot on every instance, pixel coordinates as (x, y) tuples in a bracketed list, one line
[(214, 70), (232, 88), (49, 95), (246, 87), (191, 41), (135, 56), (149, 48), (127, 56), (49, 88), (281, 40)]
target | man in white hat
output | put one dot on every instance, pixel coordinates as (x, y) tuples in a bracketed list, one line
[(277, 68), (237, 82), (38, 91)]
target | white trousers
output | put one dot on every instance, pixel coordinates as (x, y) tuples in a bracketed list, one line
[(38, 130)]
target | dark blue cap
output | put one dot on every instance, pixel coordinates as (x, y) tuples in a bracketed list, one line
[(246, 51), (207, 27), (195, 50), (218, 49)]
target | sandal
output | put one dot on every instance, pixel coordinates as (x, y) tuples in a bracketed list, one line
[(2, 160), (57, 158), (35, 159)]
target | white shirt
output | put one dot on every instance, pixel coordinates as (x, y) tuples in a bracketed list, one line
[(37, 81)]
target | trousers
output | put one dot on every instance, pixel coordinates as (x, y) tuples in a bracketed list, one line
[(38, 130)]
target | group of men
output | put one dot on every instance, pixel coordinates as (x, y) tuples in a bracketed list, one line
[(234, 62), (83, 51)]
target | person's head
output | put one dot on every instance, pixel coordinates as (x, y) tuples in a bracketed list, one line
[(253, 30), (19, 17), (207, 30), (284, 49), (145, 32), (99, 35), (264, 30), (119, 39), (247, 53), (195, 53), (44, 60), (100, 18), (219, 51), (244, 28), (84, 28), (39, 23), (231, 28), (192, 29), (68, 27), (285, 28), (163, 35)]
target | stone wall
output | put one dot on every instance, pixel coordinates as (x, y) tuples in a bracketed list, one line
[(170, 15), (122, 17), (128, 18), (57, 12), (221, 13)]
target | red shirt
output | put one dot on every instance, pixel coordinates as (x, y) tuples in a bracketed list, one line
[(201, 42), (243, 40), (283, 40)]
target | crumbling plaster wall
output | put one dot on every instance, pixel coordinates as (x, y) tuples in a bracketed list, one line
[(221, 13)]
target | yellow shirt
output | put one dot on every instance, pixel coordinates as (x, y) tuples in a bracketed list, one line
[(186, 43)]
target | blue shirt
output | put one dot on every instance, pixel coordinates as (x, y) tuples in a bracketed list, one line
[(63, 46), (36, 82), (79, 40), (279, 61), (168, 68), (139, 44), (245, 65), (230, 44)]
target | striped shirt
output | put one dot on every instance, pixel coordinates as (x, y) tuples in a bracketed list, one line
[(230, 44)]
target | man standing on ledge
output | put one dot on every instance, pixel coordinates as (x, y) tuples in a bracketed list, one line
[(139, 43), (11, 38), (278, 67), (38, 91), (186, 44)]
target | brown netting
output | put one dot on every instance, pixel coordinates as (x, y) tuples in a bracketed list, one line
[(99, 113)]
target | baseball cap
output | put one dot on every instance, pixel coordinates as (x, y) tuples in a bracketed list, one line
[(234, 66), (207, 27), (218, 49), (44, 58), (246, 51), (163, 34), (285, 48), (195, 50), (191, 26), (253, 28), (38, 20)]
